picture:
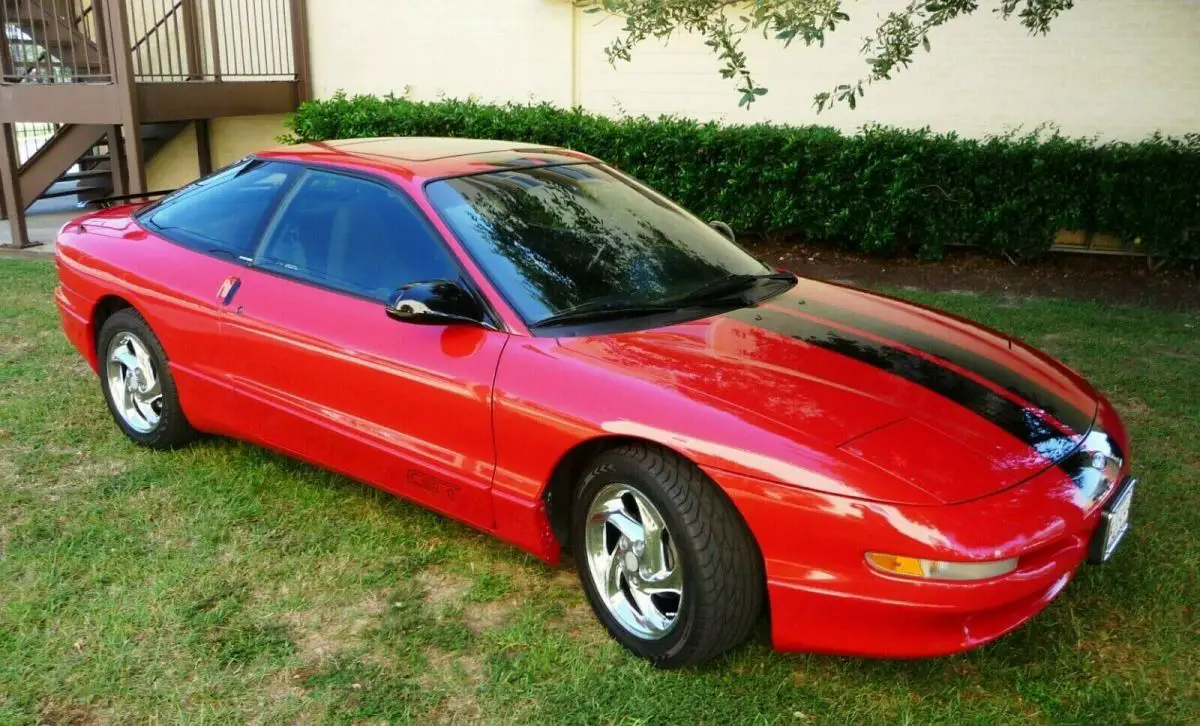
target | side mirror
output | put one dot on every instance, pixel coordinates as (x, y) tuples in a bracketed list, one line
[(724, 229), (435, 302)]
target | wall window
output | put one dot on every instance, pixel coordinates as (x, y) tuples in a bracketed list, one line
[(221, 213), (353, 235)]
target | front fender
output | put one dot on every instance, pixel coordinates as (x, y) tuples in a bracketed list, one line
[(548, 402)]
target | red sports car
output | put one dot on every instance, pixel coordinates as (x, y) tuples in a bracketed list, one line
[(533, 343)]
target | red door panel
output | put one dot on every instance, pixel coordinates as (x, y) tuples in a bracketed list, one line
[(175, 289), (332, 379)]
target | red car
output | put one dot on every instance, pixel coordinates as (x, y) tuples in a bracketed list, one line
[(533, 343)]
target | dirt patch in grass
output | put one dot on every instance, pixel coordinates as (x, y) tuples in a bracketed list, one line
[(73, 365), (324, 632), (282, 687), (443, 590), (89, 470), (13, 348), (1109, 654), (1132, 408), (55, 713), (48, 470), (462, 675), (489, 616), (8, 470), (580, 623)]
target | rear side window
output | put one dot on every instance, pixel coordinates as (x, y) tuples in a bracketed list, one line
[(352, 235), (221, 213)]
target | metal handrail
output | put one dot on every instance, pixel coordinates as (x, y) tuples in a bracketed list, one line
[(161, 21), (217, 40), (187, 40)]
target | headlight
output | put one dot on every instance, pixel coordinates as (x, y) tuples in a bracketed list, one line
[(938, 570)]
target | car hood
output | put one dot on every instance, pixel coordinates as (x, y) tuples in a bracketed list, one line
[(945, 405)]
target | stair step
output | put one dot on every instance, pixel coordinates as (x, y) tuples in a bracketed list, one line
[(94, 177), (54, 193), (157, 136), (85, 174)]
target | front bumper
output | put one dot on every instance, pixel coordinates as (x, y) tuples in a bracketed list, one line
[(826, 620), (75, 324), (824, 597)]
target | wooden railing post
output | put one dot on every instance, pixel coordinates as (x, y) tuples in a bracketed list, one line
[(11, 185), (203, 147), (116, 161), (100, 15), (121, 50), (191, 40), (300, 50), (214, 39), (6, 57)]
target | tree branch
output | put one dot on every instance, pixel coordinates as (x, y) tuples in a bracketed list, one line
[(723, 23)]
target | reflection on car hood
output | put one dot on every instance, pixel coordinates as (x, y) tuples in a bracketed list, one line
[(950, 407)]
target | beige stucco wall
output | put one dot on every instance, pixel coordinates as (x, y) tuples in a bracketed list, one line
[(176, 163), (1117, 68), (492, 49), (232, 138)]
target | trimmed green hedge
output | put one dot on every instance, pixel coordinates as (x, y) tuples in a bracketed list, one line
[(881, 190)]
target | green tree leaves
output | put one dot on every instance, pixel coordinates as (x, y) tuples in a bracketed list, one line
[(722, 23)]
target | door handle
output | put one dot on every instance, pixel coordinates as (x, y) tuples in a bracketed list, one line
[(228, 289)]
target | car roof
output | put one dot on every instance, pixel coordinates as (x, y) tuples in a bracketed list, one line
[(428, 157)]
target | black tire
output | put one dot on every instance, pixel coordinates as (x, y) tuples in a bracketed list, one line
[(172, 429), (723, 581)]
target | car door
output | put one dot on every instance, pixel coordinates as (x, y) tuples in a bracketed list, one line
[(206, 234), (334, 380)]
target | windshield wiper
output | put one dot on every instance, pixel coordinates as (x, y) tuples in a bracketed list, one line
[(730, 287), (601, 310), (717, 292)]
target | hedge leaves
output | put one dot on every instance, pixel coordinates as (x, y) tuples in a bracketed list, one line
[(881, 190)]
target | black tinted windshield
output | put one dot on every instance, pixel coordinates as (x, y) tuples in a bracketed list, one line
[(555, 238)]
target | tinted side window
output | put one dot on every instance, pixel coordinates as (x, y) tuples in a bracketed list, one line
[(221, 213), (353, 235)]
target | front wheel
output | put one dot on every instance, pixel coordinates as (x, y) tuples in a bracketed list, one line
[(667, 563), (137, 384)]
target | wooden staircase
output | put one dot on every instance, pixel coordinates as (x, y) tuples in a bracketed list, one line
[(97, 69), (77, 160), (52, 42)]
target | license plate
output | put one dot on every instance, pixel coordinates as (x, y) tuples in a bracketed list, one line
[(1114, 523)]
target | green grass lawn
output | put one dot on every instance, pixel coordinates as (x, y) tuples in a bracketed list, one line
[(223, 583)]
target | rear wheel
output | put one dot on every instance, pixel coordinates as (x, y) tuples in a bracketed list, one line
[(666, 561), (138, 385)]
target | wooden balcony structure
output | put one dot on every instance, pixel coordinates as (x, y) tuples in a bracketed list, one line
[(104, 82)]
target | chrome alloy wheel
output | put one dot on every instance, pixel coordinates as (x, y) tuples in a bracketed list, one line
[(633, 562), (133, 383)]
